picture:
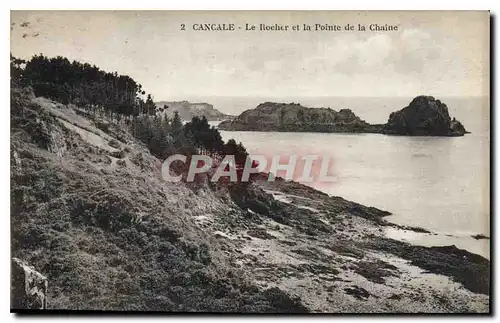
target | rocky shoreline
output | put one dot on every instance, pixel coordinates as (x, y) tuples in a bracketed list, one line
[(424, 116), (314, 245)]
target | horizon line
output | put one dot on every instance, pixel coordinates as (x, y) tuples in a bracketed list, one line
[(186, 97)]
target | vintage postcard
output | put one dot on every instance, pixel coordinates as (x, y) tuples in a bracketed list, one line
[(250, 161)]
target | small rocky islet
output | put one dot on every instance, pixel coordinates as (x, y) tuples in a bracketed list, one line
[(424, 116)]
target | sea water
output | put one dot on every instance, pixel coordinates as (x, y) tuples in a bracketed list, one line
[(437, 183)]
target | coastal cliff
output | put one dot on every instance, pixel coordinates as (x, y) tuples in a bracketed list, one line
[(187, 110), (424, 116), (90, 211)]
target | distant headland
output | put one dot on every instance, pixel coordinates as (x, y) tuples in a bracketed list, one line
[(424, 116), (187, 110)]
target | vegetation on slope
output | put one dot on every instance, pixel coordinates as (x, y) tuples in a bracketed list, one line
[(90, 211), (101, 224)]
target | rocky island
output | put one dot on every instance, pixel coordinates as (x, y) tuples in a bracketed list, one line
[(294, 117), (424, 116)]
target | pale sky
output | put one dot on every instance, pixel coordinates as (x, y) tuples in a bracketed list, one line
[(435, 53)]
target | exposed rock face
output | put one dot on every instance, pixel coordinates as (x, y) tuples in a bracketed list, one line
[(28, 287), (424, 116), (270, 116), (188, 110)]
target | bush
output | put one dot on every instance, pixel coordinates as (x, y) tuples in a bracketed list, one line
[(113, 143)]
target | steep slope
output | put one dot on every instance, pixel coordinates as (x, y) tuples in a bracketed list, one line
[(188, 110)]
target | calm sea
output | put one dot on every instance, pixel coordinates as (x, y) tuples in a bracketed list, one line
[(438, 183)]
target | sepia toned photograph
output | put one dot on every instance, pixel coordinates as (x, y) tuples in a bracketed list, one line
[(250, 162)]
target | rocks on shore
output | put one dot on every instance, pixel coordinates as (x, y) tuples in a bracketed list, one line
[(424, 116), (188, 110), (128, 241)]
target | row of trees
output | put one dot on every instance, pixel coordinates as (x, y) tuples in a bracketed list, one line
[(165, 137), (82, 84)]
